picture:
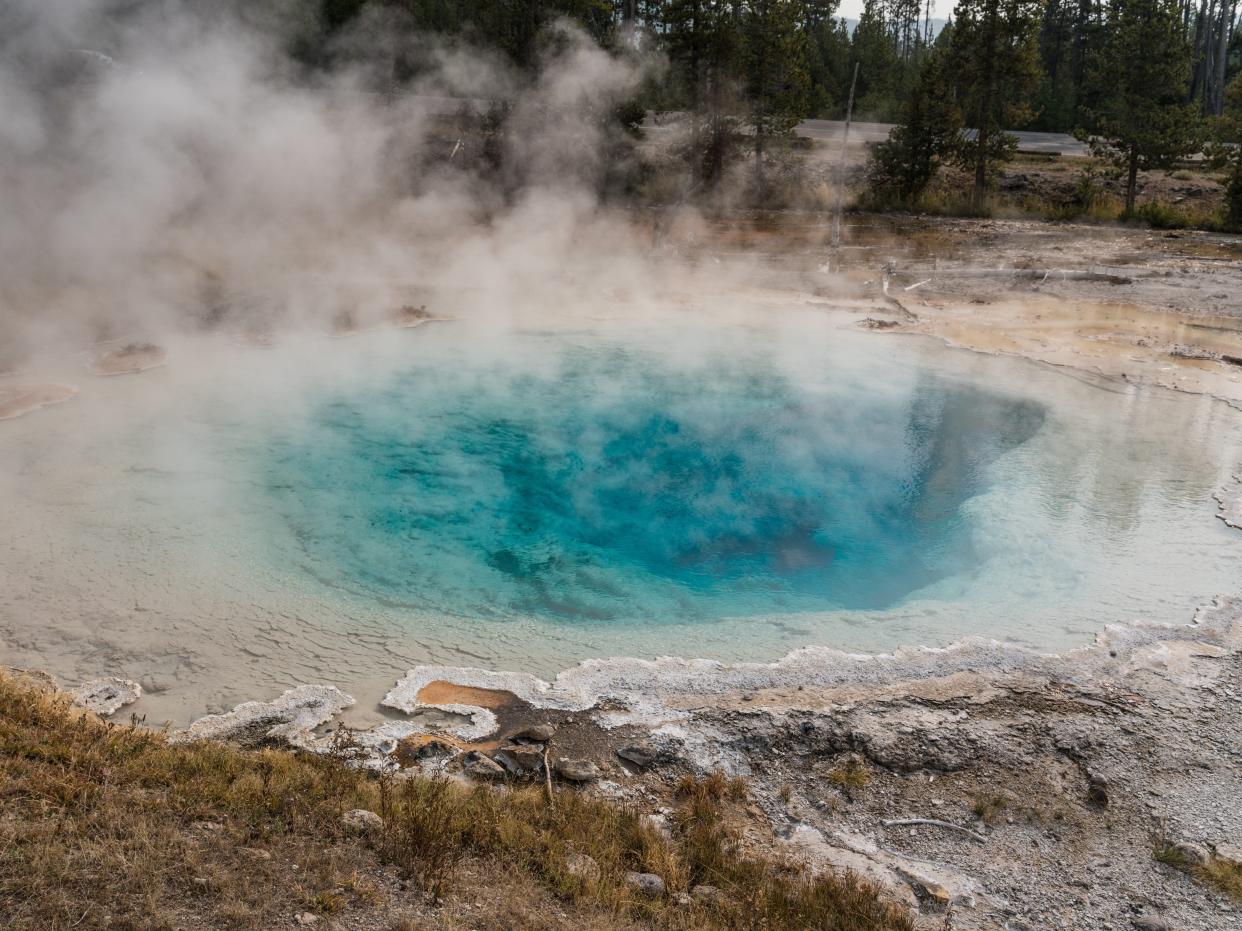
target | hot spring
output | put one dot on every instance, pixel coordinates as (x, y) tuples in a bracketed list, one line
[(531, 496)]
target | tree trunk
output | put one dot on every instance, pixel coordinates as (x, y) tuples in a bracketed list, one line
[(1222, 58), (1132, 179), (985, 114)]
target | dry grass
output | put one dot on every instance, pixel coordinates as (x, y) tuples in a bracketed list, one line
[(104, 825), (1223, 875), (851, 776)]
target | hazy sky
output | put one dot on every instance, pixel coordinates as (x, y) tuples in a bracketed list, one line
[(852, 9)]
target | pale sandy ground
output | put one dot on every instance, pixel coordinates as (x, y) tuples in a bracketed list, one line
[(1121, 303)]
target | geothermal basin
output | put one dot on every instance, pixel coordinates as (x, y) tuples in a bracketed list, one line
[(530, 495)]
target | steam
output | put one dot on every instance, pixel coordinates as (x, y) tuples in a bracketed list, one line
[(164, 168)]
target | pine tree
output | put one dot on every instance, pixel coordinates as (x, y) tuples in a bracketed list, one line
[(1140, 85), (996, 66), (902, 166), (871, 48), (706, 50), (776, 74), (1229, 132), (828, 54)]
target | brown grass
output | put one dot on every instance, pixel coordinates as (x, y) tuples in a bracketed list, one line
[(1225, 876), (850, 777), (103, 825)]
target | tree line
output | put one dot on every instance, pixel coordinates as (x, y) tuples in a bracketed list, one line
[(1145, 82)]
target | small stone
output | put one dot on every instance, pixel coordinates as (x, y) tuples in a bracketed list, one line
[(647, 754), (520, 761), (1097, 790), (647, 883), (306, 919), (640, 755), (536, 733), (582, 866), (361, 821), (478, 766), (937, 895), (708, 895), (577, 770)]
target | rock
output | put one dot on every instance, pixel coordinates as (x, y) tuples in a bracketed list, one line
[(477, 766), (535, 733), (307, 919), (936, 895), (1229, 853), (361, 821), (708, 895), (647, 754), (289, 720), (1150, 923), (1189, 854), (577, 770), (430, 749), (105, 696), (582, 866), (520, 761), (647, 883), (1097, 790)]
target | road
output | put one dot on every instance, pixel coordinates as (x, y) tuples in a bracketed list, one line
[(1047, 143)]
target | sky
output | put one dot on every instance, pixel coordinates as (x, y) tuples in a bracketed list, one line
[(852, 9)]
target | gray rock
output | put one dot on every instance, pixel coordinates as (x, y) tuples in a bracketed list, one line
[(647, 754), (291, 719), (1190, 854), (647, 883), (708, 895), (1229, 852), (478, 766), (536, 733), (520, 761), (361, 821), (582, 866), (577, 770), (106, 696)]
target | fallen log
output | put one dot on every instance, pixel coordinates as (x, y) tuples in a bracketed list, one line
[(1042, 274)]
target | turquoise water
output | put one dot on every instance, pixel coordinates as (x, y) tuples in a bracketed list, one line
[(525, 499), (593, 479)]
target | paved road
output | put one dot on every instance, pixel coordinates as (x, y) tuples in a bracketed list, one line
[(830, 130)]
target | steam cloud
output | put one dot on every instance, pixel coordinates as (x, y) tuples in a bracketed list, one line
[(164, 167)]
